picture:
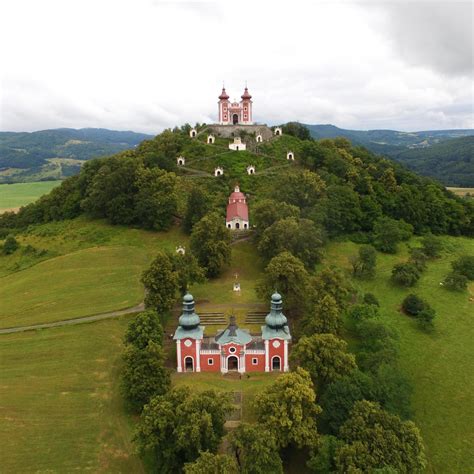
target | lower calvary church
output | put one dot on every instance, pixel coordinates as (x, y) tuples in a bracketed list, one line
[(232, 349)]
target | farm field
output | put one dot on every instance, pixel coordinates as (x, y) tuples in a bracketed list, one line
[(13, 196), (440, 365), (462, 191)]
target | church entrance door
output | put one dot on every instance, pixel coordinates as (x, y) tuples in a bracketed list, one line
[(235, 119), (232, 363)]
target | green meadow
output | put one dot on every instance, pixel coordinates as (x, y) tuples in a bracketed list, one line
[(440, 365), (13, 196), (61, 408)]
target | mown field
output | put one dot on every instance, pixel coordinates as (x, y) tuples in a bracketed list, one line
[(61, 409), (79, 268), (13, 196)]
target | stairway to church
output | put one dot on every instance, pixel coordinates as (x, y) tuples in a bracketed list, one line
[(255, 317), (210, 319)]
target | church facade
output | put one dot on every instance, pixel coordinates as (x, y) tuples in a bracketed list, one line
[(232, 349), (235, 113)]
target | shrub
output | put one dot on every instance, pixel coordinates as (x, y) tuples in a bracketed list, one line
[(413, 304), (405, 274), (418, 258), (455, 281), (465, 266), (10, 245), (425, 318), (431, 246), (370, 298), (362, 312)]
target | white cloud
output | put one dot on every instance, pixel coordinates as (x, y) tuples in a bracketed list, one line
[(149, 64)]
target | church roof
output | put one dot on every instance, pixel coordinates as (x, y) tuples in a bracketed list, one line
[(246, 94), (275, 321), (237, 209), (233, 334), (223, 95), (189, 321)]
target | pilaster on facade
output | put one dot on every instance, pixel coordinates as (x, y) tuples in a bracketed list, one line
[(198, 355), (267, 357), (286, 368), (178, 355)]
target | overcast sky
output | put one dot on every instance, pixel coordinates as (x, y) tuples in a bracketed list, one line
[(145, 65)]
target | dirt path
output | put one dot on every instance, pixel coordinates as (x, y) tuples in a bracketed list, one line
[(71, 322)]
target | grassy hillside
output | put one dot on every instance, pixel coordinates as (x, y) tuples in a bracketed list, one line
[(13, 196), (74, 408), (61, 407), (438, 364), (79, 268), (55, 154)]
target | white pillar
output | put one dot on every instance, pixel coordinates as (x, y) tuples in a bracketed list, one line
[(267, 356), (285, 357), (198, 355), (178, 355), (242, 363)]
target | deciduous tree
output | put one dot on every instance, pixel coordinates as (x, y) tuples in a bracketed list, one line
[(197, 206), (177, 426), (161, 284), (288, 409), (376, 439), (10, 245), (144, 374), (324, 356), (255, 449), (210, 243), (405, 274), (209, 463), (363, 266), (143, 328)]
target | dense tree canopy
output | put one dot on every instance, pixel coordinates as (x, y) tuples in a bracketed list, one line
[(324, 356), (286, 274), (210, 243), (161, 283), (177, 426), (301, 237), (288, 409), (209, 463), (143, 328), (376, 439), (255, 449)]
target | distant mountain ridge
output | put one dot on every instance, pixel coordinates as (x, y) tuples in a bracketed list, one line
[(447, 155), (58, 153)]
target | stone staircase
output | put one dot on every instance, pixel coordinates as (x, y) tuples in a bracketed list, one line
[(255, 317), (212, 319)]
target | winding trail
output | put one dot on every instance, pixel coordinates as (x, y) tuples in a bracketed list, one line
[(71, 322)]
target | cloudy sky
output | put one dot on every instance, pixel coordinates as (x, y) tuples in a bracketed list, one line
[(145, 65)]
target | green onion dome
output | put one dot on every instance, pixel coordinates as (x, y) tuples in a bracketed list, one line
[(189, 319), (275, 319)]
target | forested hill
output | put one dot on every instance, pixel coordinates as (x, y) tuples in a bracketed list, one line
[(340, 188), (442, 154), (450, 161), (55, 154)]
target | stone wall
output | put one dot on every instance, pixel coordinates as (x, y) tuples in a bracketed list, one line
[(229, 131)]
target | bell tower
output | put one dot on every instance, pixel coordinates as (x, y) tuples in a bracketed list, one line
[(223, 107)]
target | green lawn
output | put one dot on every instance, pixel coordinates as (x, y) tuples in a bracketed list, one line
[(440, 365), (13, 196), (61, 409), (86, 282), (89, 268)]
